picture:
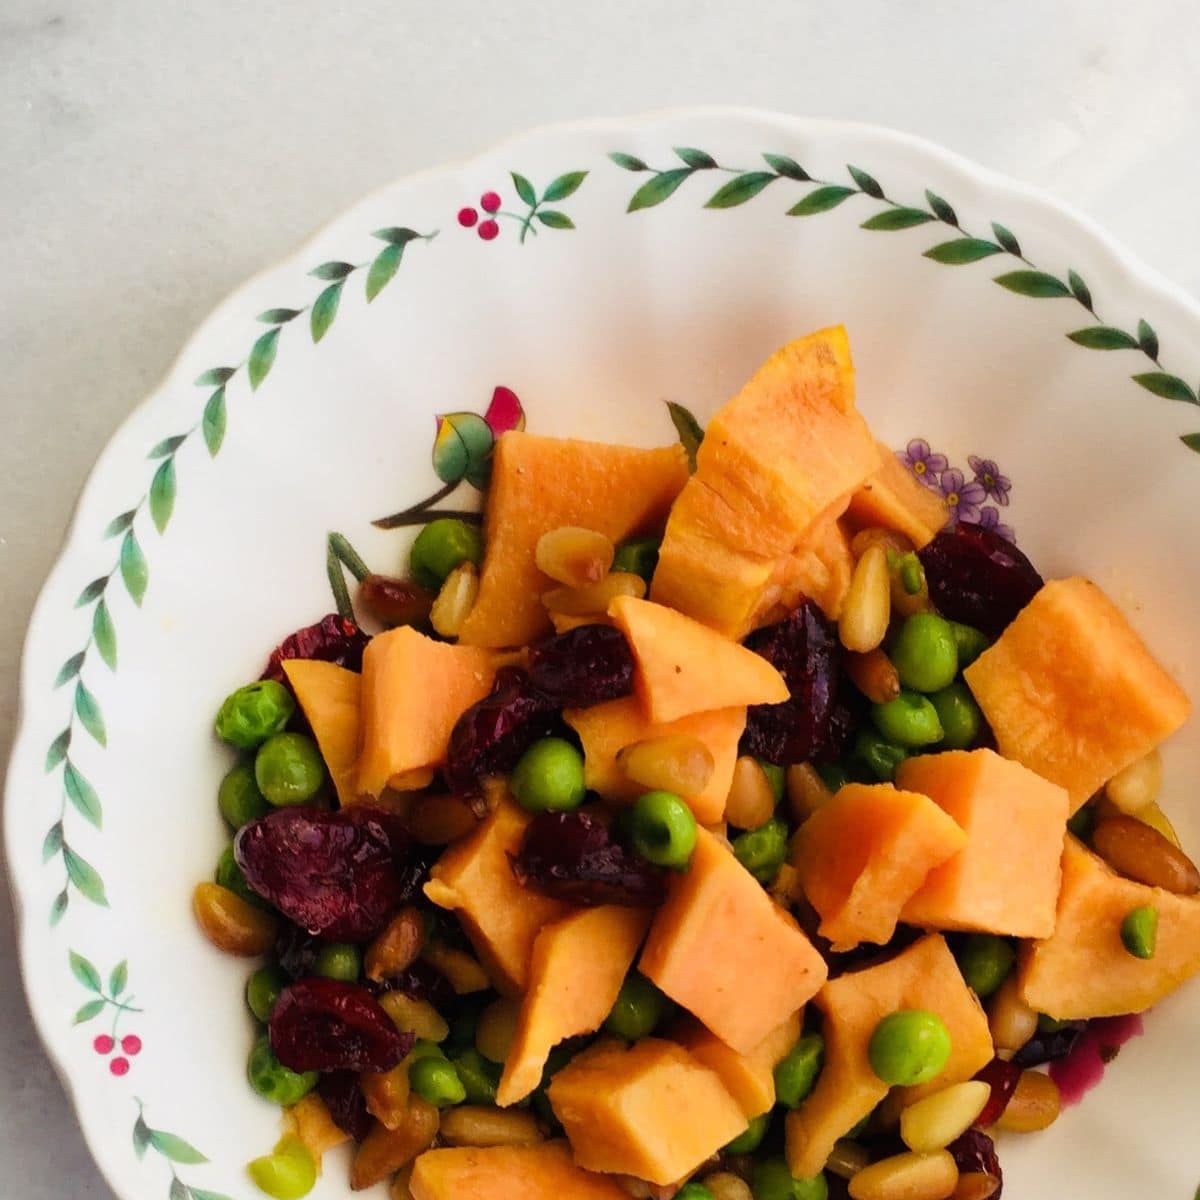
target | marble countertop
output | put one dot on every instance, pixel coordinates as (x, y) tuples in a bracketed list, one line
[(158, 152)]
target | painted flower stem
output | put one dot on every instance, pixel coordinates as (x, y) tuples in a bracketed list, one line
[(425, 515)]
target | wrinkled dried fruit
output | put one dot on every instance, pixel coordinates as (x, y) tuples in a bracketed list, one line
[(978, 578), (327, 1025), (1002, 1077), (1049, 1045), (297, 951), (586, 665), (572, 856), (340, 875), (395, 602), (332, 639), (346, 1103), (975, 1154), (423, 981)]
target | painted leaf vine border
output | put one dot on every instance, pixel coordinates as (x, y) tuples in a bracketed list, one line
[(966, 248)]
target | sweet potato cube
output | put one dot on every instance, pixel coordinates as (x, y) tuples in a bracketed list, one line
[(413, 691), (541, 483), (720, 947), (749, 1078), (649, 1110), (924, 975), (1005, 879), (331, 699), (684, 667), (893, 498), (819, 569), (1083, 969), (1072, 692), (578, 965), (605, 729), (543, 1172), (474, 877), (863, 854)]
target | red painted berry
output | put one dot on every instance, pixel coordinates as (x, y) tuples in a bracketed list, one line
[(488, 230), (131, 1044), (119, 1066), (490, 201), (467, 217), (103, 1044)]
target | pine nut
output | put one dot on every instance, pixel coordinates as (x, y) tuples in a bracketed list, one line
[(874, 676), (384, 1151), (482, 1125), (455, 601), (1035, 1104), (232, 924), (594, 599), (889, 539), (751, 801), (573, 556), (907, 1177), (411, 1015), (397, 947), (463, 972), (1137, 785), (496, 1029), (867, 609), (386, 1093), (805, 790), (676, 763), (401, 1189), (1139, 852), (1011, 1021), (934, 1122), (725, 1185)]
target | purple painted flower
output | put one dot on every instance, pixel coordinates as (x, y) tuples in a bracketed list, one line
[(996, 486), (962, 498), (989, 518), (922, 462)]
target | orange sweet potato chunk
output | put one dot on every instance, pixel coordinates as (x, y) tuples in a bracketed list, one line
[(819, 569), (1005, 879), (684, 667), (413, 691), (1071, 690), (576, 971), (720, 947), (331, 699), (862, 855), (1083, 970), (541, 483), (893, 498), (925, 976), (649, 1110), (474, 877), (607, 728), (543, 1172)]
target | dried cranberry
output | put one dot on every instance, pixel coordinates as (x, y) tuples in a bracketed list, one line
[(974, 1153), (573, 857), (1002, 1077), (322, 1024), (297, 951), (1049, 1046), (346, 1103), (395, 601), (586, 665), (977, 577), (421, 981), (339, 875), (492, 734), (332, 639)]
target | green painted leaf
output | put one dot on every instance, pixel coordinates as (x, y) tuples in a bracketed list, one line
[(1079, 289), (821, 200), (141, 1137), (104, 635), (866, 182), (202, 1194), (337, 584), (554, 219), (53, 841), (58, 750), (278, 316), (178, 1190), (83, 970), (214, 376), (82, 795), (386, 263), (59, 907), (740, 189), (167, 446), (524, 188), (134, 572), (897, 218), (93, 589), (324, 309), (262, 357), (462, 445), (1103, 337), (564, 186), (89, 713), (118, 979), (1169, 387), (120, 524), (661, 187), (962, 250), (172, 1146), (698, 160), (627, 162), (348, 556), (1006, 239), (162, 491), (1147, 339), (85, 878), (1191, 441), (397, 235), (332, 270), (69, 669), (213, 422), (1036, 284), (691, 432), (942, 209), (787, 167), (89, 1012)]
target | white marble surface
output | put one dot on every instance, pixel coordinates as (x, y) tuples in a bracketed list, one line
[(157, 152)]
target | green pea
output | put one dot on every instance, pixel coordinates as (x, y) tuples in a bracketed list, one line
[(638, 1008), (833, 776), (909, 720), (436, 1081), (288, 769), (764, 850), (251, 714), (479, 1077), (339, 960), (1050, 1024), (985, 961), (911, 573), (262, 990), (971, 643), (1083, 822), (750, 1140), (272, 1080), (549, 777), (287, 1174), (876, 756), (424, 1048), (797, 1074), (663, 829), (773, 1181), (959, 714), (238, 797), (694, 1191), (229, 875), (638, 556), (925, 653), (1139, 931), (775, 777), (909, 1047), (440, 547)]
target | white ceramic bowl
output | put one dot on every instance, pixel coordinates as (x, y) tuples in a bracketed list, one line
[(984, 318)]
